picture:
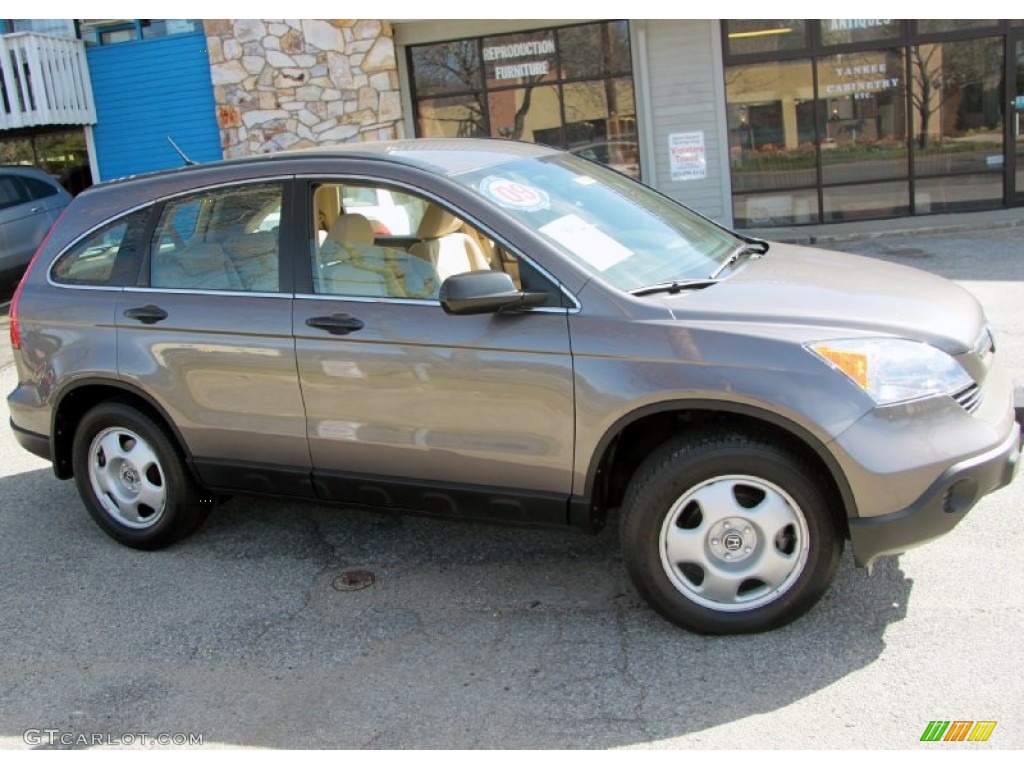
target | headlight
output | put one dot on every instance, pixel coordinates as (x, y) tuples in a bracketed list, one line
[(893, 370)]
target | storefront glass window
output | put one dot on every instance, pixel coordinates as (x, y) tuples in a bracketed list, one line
[(447, 68), (866, 201), (771, 114), (904, 120), (958, 193), (956, 106), (843, 31), (745, 36), (569, 87), (594, 49), (864, 98), (461, 117), (776, 209), (527, 114)]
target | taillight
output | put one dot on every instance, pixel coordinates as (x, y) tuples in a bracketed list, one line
[(13, 312)]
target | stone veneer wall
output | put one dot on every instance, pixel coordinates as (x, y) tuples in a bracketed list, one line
[(290, 83)]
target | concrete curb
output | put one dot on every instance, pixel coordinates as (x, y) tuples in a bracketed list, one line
[(818, 234)]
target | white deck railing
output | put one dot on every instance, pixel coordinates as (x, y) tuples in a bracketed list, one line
[(44, 80)]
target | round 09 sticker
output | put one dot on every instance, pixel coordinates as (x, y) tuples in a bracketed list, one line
[(514, 194)]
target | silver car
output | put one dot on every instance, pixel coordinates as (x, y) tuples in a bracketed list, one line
[(547, 342), (30, 202)]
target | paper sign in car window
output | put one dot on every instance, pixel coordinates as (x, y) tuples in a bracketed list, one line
[(514, 194), (587, 242)]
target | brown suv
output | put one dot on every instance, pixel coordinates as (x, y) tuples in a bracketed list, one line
[(498, 330)]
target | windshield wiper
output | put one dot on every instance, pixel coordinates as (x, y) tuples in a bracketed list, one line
[(675, 286), (756, 247)]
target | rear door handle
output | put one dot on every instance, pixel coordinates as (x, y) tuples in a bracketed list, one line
[(338, 324), (148, 314)]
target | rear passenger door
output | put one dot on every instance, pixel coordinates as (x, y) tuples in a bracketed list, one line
[(407, 406), (208, 333)]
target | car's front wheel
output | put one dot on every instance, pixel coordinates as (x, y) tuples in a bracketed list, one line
[(729, 533), (132, 478)]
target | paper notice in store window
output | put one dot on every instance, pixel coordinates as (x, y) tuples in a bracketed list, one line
[(686, 156), (586, 241)]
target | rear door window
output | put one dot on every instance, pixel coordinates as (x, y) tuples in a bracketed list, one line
[(224, 239)]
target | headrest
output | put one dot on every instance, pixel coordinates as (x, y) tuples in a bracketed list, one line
[(351, 228), (437, 222)]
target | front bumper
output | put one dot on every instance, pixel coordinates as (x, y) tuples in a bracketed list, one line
[(940, 507)]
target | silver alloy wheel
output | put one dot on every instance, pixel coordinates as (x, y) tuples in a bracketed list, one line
[(127, 478), (734, 543)]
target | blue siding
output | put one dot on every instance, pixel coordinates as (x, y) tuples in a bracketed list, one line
[(146, 91)]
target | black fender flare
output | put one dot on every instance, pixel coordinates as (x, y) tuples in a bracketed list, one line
[(797, 431), (71, 387)]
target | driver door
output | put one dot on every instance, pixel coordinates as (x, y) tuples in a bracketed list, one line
[(407, 406)]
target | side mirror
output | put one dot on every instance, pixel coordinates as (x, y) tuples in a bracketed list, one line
[(485, 291)]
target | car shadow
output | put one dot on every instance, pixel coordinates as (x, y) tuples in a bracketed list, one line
[(471, 635)]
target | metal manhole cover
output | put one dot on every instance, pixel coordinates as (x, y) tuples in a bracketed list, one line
[(350, 581)]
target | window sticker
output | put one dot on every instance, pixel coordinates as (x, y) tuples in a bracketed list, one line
[(587, 242), (584, 181), (514, 195)]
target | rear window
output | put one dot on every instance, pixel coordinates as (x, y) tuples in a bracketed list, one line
[(108, 257)]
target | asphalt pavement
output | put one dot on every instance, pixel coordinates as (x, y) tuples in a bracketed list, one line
[(475, 635)]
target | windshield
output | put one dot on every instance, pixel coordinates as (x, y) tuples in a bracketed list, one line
[(629, 234)]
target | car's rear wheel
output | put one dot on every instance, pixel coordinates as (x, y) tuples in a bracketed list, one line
[(132, 478), (729, 533)]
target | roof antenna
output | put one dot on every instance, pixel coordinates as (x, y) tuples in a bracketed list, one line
[(184, 157)]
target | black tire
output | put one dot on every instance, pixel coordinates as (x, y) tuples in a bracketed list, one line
[(133, 479), (705, 536)]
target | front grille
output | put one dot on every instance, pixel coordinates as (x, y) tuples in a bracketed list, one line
[(969, 398)]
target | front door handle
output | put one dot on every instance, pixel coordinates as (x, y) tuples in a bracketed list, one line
[(148, 314), (338, 324)]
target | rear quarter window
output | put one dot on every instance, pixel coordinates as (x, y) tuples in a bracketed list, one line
[(109, 256)]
